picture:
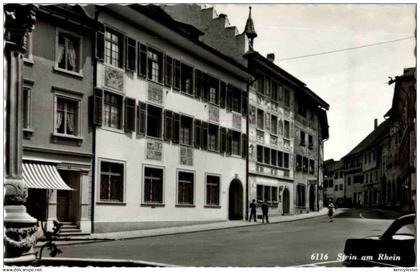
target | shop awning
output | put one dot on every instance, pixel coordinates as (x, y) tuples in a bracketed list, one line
[(43, 176)]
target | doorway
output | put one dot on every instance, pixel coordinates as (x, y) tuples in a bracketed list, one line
[(235, 200), (68, 202), (286, 201)]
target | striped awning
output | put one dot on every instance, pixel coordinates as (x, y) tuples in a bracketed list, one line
[(43, 176)]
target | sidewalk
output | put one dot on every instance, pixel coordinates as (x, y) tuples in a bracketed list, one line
[(96, 237)]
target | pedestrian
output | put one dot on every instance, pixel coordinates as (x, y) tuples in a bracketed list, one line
[(331, 210), (264, 209), (253, 208)]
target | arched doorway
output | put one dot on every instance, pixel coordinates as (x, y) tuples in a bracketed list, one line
[(235, 200), (311, 198), (286, 201)]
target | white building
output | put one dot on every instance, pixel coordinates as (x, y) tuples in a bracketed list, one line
[(170, 142)]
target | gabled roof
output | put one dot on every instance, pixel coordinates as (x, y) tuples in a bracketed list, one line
[(372, 139)]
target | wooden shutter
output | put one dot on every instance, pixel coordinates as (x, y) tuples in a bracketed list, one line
[(141, 119), (167, 133), (244, 145), (130, 63), (142, 60), (204, 134), (129, 114), (229, 94), (204, 87), (197, 83), (177, 75), (100, 43), (197, 133), (175, 135), (222, 94), (244, 103), (229, 142), (95, 108), (222, 140), (168, 71)]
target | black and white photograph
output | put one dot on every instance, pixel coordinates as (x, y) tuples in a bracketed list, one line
[(209, 135)]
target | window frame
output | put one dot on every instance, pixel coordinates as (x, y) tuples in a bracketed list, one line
[(27, 88), (124, 181), (178, 204), (59, 30), (143, 183), (191, 140), (122, 56), (207, 204), (121, 125), (161, 121), (69, 97), (161, 62)]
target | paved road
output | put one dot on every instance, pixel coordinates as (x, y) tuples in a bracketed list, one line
[(283, 244)]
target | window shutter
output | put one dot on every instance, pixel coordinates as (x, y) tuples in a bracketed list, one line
[(168, 71), (129, 114), (244, 103), (175, 135), (167, 133), (142, 60), (229, 94), (95, 108), (280, 128), (229, 142), (222, 94), (142, 113), (197, 133), (222, 140), (177, 75), (100, 44), (267, 121), (204, 87), (244, 145), (204, 135), (130, 63), (197, 83)]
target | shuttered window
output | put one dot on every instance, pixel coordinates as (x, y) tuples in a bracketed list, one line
[(222, 140), (204, 138), (197, 133), (142, 60), (99, 45), (131, 54), (129, 114), (175, 136), (244, 145), (168, 71), (222, 94), (197, 83), (141, 118), (167, 134), (177, 75)]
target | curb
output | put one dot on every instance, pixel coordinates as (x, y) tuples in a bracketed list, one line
[(101, 240)]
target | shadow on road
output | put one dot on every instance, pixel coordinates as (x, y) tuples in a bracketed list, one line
[(369, 214)]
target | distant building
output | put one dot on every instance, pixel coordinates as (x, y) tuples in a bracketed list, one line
[(333, 186)]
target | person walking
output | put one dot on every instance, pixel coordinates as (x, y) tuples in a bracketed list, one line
[(253, 208), (331, 210), (264, 209)]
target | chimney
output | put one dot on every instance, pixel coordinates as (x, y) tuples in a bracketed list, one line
[(271, 57), (375, 123)]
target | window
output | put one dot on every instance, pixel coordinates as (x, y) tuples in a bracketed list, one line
[(348, 181), (279, 159), (68, 52), (236, 143), (67, 116), (186, 79), (298, 163), (331, 183), (260, 190), (286, 160), (27, 111), (300, 191), (341, 187), (266, 155), (222, 94), (212, 190), (302, 138), (168, 125), (177, 75), (112, 110), (154, 121), (286, 129), (153, 185), (274, 194), (311, 166), (197, 133), (185, 188), (273, 124), (310, 141), (214, 90), (267, 87), (186, 130), (114, 48), (168, 71), (260, 153), (274, 88), (236, 99), (305, 165), (273, 157), (130, 58), (267, 193), (154, 65), (112, 182), (287, 97), (204, 134), (223, 146), (213, 137), (336, 187), (260, 119)]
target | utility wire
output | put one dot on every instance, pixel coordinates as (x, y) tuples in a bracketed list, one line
[(345, 49)]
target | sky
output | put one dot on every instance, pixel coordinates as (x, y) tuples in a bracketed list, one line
[(352, 82)]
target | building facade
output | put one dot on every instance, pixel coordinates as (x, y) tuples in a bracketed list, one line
[(333, 187), (57, 143), (169, 124)]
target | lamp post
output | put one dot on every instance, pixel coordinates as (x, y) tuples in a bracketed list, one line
[(21, 229)]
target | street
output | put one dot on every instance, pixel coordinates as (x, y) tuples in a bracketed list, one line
[(283, 244)]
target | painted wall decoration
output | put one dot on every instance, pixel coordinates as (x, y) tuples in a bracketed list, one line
[(213, 113), (236, 121), (154, 150), (155, 93), (186, 155), (114, 78)]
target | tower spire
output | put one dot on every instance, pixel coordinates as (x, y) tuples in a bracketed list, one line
[(250, 30)]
